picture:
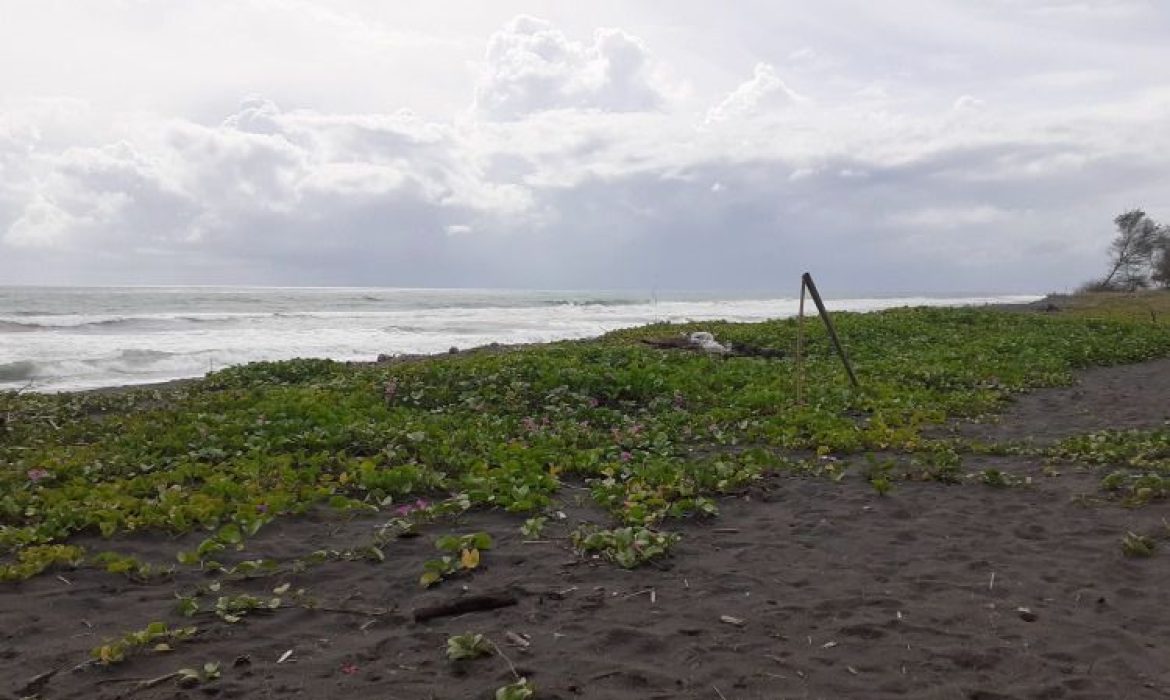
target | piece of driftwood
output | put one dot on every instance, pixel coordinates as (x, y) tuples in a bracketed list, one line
[(464, 605), (684, 343)]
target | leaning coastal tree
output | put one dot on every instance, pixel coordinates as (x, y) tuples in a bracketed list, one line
[(1139, 255)]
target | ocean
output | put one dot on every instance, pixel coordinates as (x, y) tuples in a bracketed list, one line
[(71, 338)]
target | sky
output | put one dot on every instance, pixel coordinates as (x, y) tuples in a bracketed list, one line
[(906, 146)]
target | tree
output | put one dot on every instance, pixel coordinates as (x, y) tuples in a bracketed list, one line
[(1140, 240), (1160, 265)]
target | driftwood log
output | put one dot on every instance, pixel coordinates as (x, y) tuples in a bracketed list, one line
[(736, 350), (466, 604)]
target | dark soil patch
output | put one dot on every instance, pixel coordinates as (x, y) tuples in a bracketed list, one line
[(1122, 398)]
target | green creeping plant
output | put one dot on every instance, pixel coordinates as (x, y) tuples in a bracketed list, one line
[(1135, 545), (156, 635), (627, 547), (463, 553), (652, 434)]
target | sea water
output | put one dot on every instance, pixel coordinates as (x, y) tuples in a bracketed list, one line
[(68, 338)]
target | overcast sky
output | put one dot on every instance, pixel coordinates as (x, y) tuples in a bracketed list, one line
[(889, 147)]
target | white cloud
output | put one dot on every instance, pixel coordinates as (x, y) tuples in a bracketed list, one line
[(531, 66), (950, 218), (763, 93), (967, 102), (580, 166)]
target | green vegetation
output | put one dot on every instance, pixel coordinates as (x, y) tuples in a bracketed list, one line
[(1138, 546), (627, 547), (468, 646), (156, 635), (463, 554), (653, 434), (520, 690), (191, 677), (1139, 461), (1142, 306)]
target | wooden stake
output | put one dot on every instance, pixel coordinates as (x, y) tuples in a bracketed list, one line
[(807, 281), (800, 348)]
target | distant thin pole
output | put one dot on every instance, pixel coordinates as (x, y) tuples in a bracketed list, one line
[(807, 281), (800, 348)]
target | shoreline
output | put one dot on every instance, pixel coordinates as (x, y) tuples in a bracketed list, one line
[(1042, 304)]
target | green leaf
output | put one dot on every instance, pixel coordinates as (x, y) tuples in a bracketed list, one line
[(481, 540), (520, 690), (187, 606), (448, 543), (230, 534), (467, 646)]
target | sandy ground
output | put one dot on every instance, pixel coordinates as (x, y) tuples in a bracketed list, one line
[(934, 591)]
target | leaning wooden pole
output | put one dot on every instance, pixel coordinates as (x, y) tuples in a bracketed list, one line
[(807, 282), (800, 349)]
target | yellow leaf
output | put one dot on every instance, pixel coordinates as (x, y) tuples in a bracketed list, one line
[(469, 558)]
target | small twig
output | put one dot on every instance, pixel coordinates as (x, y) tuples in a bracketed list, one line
[(143, 684), (156, 681), (377, 612), (991, 583), (511, 666), (717, 692)]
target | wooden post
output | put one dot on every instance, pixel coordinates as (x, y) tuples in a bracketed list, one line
[(800, 349), (806, 281)]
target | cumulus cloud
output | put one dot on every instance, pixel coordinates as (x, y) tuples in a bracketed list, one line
[(763, 93), (531, 66)]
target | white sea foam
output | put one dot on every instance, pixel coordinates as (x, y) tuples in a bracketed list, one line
[(64, 339)]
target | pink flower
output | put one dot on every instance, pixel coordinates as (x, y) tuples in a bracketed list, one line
[(349, 669), (35, 475), (405, 510), (626, 456)]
